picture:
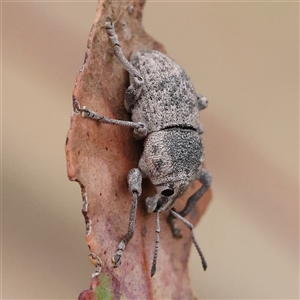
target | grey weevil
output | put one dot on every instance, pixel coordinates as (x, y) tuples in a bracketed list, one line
[(164, 110)]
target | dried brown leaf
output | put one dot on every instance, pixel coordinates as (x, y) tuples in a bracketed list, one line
[(99, 157)]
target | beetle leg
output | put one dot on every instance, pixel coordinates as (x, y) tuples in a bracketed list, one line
[(200, 129), (190, 226), (201, 101), (134, 179), (134, 90), (205, 178), (140, 129)]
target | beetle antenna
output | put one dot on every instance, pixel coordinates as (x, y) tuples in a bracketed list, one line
[(190, 226), (153, 268)]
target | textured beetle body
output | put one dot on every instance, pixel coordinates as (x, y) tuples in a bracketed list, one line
[(168, 98), (171, 160), (168, 106), (171, 155), (164, 109)]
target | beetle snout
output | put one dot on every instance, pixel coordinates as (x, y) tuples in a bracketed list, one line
[(161, 203), (157, 203)]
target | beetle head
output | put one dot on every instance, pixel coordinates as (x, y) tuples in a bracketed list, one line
[(167, 194)]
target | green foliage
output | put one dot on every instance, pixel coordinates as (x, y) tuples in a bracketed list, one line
[(104, 290)]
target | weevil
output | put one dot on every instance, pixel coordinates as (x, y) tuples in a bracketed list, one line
[(164, 108)]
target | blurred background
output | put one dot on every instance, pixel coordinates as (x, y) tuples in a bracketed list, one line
[(244, 57)]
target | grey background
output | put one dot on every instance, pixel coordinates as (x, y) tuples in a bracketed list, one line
[(244, 57)]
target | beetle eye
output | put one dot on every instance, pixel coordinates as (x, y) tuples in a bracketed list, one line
[(167, 192)]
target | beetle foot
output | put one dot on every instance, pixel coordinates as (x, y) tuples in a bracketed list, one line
[(116, 259), (176, 231), (86, 113)]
